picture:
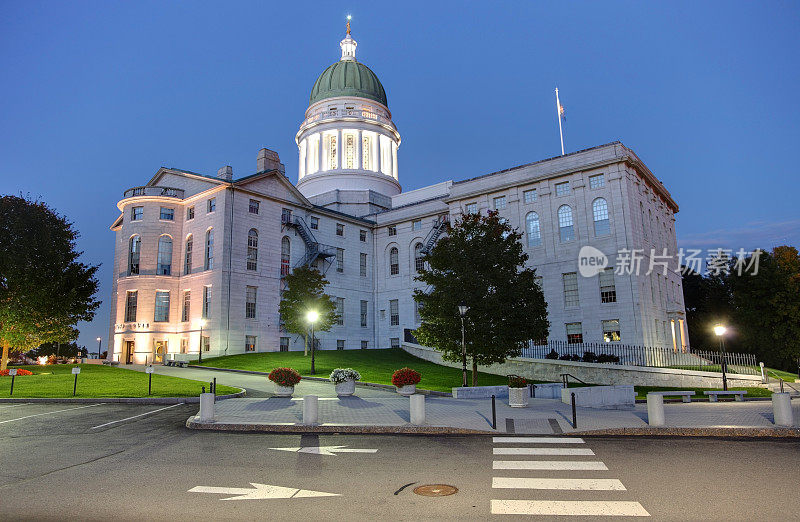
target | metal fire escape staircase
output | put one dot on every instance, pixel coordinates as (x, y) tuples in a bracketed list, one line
[(433, 235), (314, 249)]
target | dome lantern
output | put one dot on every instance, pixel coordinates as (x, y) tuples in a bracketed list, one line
[(348, 45)]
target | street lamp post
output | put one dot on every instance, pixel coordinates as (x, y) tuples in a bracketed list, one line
[(99, 344), (719, 331), (312, 317), (462, 310), (200, 349)]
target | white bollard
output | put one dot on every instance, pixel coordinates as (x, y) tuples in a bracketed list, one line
[(206, 407), (782, 409), (655, 409), (763, 377), (310, 409), (417, 409)]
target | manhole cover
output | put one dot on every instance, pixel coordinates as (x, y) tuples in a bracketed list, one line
[(435, 490)]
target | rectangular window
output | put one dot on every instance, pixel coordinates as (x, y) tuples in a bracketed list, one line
[(570, 289), (189, 213), (362, 236), (365, 153), (529, 196), (162, 307), (608, 290), (339, 229), (137, 213), (211, 205), (340, 259), (253, 206), (611, 331), (349, 151), (394, 342), (365, 345), (187, 261), (416, 224), (187, 302), (284, 346), (250, 302), (392, 230), (500, 203), (417, 318), (167, 214), (340, 310), (206, 342), (331, 152), (471, 208), (562, 189), (314, 223), (184, 345), (597, 181), (209, 264), (249, 343), (206, 301), (574, 333), (364, 314), (340, 344), (286, 215), (394, 312), (130, 306), (362, 265)]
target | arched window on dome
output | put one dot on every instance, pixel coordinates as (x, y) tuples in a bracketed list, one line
[(419, 263), (566, 226), (349, 150), (164, 256), (330, 152), (252, 249), (394, 262), (286, 252), (134, 251), (602, 226), (533, 229)]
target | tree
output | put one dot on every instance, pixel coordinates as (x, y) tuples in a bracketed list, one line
[(44, 289), (481, 263), (61, 350), (305, 292)]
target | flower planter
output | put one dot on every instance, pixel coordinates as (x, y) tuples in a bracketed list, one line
[(408, 389), (518, 397), (346, 388), (283, 391)]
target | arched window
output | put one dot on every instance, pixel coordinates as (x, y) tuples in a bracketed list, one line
[(566, 227), (533, 229), (134, 250), (394, 263), (187, 261), (286, 252), (252, 249), (602, 226), (209, 252), (164, 256), (419, 264)]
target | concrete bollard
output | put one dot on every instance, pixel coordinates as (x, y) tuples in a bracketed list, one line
[(782, 409), (655, 409), (417, 409), (310, 409), (206, 407)]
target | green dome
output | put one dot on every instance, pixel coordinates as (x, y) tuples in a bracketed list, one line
[(348, 78)]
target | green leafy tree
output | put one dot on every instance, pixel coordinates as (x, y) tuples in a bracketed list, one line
[(305, 292), (481, 263), (44, 289)]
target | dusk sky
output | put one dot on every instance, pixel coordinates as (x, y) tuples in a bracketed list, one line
[(96, 96)]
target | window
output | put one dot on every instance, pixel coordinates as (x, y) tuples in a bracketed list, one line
[(250, 302), (362, 236), (394, 264), (167, 214), (362, 265), (284, 346), (164, 255), (608, 290), (416, 224), (339, 229), (286, 215), (211, 205), (187, 303), (206, 342), (189, 213), (574, 333), (137, 213), (394, 312), (340, 311), (363, 314), (365, 345), (330, 150), (471, 208), (130, 306), (340, 344), (249, 343), (597, 181), (529, 196), (184, 345), (206, 302), (349, 151), (562, 189), (565, 224), (570, 281), (500, 203), (314, 223), (286, 255), (162, 307), (209, 257), (392, 230), (611, 331), (134, 250), (253, 206), (600, 214), (419, 262), (366, 153), (533, 229), (340, 259), (187, 260), (394, 342), (417, 307)]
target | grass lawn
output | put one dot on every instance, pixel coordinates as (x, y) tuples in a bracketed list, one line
[(99, 381), (642, 391), (780, 374)]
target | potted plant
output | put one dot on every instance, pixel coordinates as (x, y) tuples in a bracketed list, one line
[(406, 380), (517, 391), (345, 381), (285, 380)]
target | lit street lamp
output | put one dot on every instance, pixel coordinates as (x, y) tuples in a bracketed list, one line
[(99, 343), (202, 323), (719, 331), (462, 310), (312, 317)]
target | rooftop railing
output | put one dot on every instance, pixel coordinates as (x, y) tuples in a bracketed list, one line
[(154, 191)]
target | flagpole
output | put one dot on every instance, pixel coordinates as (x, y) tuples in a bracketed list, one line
[(558, 115)]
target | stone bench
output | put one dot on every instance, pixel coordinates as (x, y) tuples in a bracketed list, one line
[(686, 396), (737, 394), (181, 364)]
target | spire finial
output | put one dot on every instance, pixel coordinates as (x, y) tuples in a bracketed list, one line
[(348, 24), (348, 45)]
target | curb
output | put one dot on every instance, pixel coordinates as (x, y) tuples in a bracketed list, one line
[(193, 424), (717, 432), (121, 400)]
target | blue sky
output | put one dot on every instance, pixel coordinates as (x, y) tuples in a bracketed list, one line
[(97, 95)]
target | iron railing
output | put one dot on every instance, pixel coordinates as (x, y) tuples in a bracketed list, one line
[(154, 191)]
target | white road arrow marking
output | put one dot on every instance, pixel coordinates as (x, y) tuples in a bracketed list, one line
[(261, 492), (326, 450)]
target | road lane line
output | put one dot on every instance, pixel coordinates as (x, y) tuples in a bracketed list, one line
[(542, 451), (559, 465), (135, 416), (538, 440), (49, 413), (568, 507), (14, 405), (558, 483)]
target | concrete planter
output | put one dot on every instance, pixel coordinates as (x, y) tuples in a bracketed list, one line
[(518, 397), (283, 391), (408, 389), (346, 388)]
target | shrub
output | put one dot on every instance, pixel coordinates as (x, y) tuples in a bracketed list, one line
[(565, 357), (340, 375), (607, 358), (589, 357), (284, 377), (405, 377), (20, 371), (515, 381), (552, 355)]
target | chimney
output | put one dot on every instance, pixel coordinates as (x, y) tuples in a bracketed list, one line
[(269, 160), (225, 173)]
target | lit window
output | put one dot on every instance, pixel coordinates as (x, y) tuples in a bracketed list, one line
[(340, 311), (574, 333), (206, 342), (366, 153), (187, 261), (349, 151), (137, 213), (570, 289), (394, 263), (130, 306), (187, 302), (499, 203), (253, 206), (565, 224), (608, 289), (211, 205), (206, 301), (362, 265), (562, 189), (286, 253), (134, 251), (249, 343), (339, 229), (416, 224), (284, 346), (164, 255), (209, 253), (392, 230), (331, 151), (364, 314), (167, 214), (529, 196), (471, 208), (533, 229), (250, 302), (611, 331), (602, 227), (340, 259), (394, 312), (597, 181), (362, 236), (162, 307), (189, 213), (419, 262)]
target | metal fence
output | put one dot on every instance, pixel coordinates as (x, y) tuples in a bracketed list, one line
[(635, 355)]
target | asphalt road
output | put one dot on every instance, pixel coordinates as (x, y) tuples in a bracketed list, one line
[(131, 462)]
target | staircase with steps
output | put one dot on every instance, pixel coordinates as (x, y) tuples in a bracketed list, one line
[(314, 249)]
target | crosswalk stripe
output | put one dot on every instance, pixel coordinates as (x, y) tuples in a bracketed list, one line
[(568, 507), (538, 440), (542, 451), (560, 465), (558, 483)]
